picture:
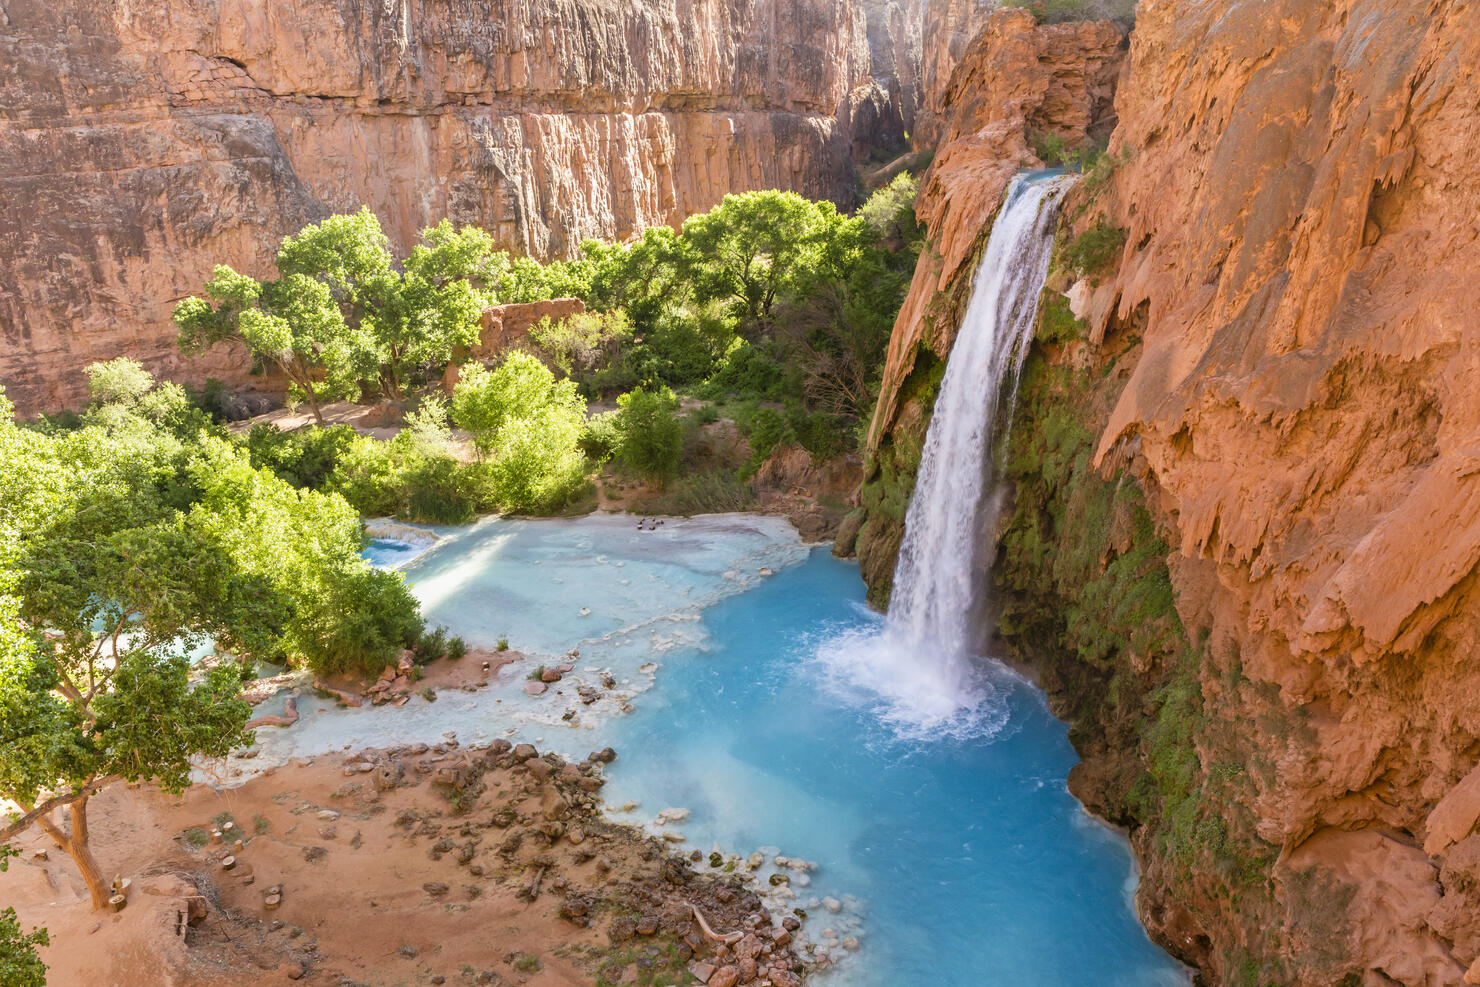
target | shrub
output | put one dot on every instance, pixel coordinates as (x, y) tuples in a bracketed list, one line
[(1095, 249), (582, 345), (651, 435), (120, 381), (890, 211), (540, 467), (601, 436), (307, 457), (362, 620), (1061, 11), (766, 428)]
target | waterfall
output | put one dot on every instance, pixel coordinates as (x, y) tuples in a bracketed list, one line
[(918, 671), (937, 579)]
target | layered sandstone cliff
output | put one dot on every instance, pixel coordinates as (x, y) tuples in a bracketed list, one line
[(1245, 548), (1300, 207), (140, 143), (947, 29)]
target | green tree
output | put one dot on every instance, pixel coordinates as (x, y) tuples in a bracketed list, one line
[(890, 211), (752, 245), (342, 311), (840, 312), (102, 594), (20, 965), (530, 423), (120, 381), (344, 615), (293, 323), (651, 435)]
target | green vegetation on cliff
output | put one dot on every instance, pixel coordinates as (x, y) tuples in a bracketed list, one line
[(1087, 598)]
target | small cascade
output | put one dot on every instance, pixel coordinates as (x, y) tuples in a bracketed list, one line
[(918, 669)]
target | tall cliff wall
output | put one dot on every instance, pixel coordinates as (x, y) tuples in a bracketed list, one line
[(142, 142), (1245, 547), (947, 29)]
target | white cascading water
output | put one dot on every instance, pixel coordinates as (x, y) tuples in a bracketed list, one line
[(917, 671)]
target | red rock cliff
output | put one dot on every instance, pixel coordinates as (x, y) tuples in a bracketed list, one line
[(140, 143), (1300, 201), (1014, 77), (1284, 358)]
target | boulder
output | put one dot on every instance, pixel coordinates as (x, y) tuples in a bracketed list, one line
[(725, 976)]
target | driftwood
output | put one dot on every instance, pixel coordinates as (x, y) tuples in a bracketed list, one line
[(533, 891), (728, 938)]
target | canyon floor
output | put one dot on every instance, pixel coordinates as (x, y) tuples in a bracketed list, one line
[(407, 866)]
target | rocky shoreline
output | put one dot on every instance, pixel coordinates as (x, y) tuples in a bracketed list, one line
[(441, 864)]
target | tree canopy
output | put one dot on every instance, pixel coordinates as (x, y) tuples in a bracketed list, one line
[(342, 313), (126, 546)]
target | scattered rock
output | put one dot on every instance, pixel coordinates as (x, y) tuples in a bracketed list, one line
[(725, 976), (535, 688), (435, 888)]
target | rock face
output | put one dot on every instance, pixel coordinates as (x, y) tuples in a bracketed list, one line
[(1275, 383), (1302, 252), (140, 143), (948, 28), (1015, 77)]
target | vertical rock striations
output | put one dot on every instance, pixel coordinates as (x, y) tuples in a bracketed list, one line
[(142, 142), (947, 30), (1299, 203)]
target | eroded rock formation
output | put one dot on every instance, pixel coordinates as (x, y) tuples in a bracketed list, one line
[(1274, 379), (948, 28), (140, 143), (1300, 213)]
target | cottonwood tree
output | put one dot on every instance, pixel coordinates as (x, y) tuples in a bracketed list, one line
[(292, 323), (343, 312), (750, 246), (102, 592), (530, 423)]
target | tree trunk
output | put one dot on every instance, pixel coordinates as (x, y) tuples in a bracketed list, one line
[(81, 854)]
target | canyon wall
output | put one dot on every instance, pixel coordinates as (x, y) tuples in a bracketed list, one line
[(947, 29), (141, 143), (1245, 554)]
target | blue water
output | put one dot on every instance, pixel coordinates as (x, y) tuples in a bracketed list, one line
[(387, 553), (947, 861), (973, 863)]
